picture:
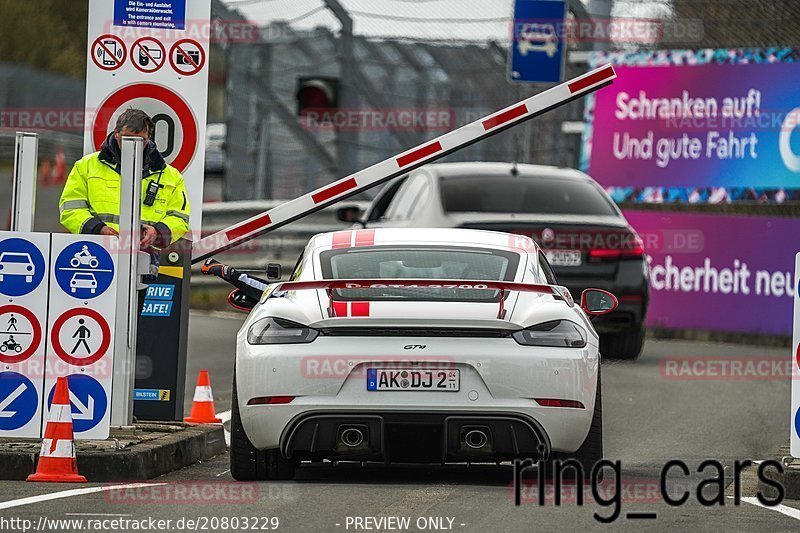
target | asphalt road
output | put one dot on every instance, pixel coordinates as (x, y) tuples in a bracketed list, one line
[(649, 415)]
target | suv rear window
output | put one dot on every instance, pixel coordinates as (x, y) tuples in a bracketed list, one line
[(508, 194)]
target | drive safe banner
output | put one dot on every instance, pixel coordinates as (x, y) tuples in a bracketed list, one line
[(708, 118), (719, 272)]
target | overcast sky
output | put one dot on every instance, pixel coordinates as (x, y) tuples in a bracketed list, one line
[(474, 20)]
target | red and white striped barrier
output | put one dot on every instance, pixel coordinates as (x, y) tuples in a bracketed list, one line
[(402, 163)]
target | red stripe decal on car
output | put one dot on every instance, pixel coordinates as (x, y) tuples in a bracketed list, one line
[(365, 237), (339, 309), (341, 239), (334, 190), (418, 154), (248, 227), (505, 116), (590, 80), (359, 308)]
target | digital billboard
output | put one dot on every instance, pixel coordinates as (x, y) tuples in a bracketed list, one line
[(731, 273), (708, 125)]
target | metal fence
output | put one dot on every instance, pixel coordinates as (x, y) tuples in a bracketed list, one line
[(272, 153)]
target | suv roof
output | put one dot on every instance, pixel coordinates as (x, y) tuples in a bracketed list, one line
[(447, 170)]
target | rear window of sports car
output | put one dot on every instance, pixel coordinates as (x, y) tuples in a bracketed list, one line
[(409, 262)]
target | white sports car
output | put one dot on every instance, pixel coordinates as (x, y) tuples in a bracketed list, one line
[(416, 345)]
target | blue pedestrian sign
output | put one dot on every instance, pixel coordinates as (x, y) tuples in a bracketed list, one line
[(22, 267), (537, 54), (84, 270), (19, 401), (88, 401)]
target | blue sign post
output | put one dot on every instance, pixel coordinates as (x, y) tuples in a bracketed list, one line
[(19, 401), (537, 54), (88, 401), (22, 267), (84, 270)]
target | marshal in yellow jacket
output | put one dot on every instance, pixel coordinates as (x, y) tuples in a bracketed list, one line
[(90, 199)]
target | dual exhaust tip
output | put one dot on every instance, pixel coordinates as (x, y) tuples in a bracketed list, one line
[(472, 437)]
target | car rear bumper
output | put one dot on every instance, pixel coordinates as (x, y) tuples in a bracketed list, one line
[(433, 437), (499, 380)]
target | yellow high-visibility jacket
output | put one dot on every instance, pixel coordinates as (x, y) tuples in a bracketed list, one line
[(90, 199)]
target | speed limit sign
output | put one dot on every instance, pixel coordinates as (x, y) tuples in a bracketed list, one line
[(143, 58), (176, 125)]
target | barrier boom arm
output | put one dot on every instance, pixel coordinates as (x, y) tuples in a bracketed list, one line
[(403, 163)]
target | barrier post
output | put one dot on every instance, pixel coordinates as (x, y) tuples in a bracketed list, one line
[(23, 193), (128, 281), (162, 343)]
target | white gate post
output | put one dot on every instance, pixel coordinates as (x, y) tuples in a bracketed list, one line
[(23, 195), (128, 281)]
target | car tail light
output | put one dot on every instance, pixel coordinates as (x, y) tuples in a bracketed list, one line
[(554, 334), (630, 247), (270, 400), (553, 402), (271, 330)]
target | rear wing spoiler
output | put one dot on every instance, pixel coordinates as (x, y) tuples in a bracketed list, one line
[(330, 285)]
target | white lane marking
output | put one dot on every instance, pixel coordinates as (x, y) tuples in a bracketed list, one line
[(223, 473), (73, 492), (225, 416), (783, 509)]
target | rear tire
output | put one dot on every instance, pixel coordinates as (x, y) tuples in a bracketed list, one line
[(591, 451), (248, 463), (623, 345)]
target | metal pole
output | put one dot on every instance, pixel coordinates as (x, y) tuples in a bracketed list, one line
[(127, 282), (23, 194), (346, 139), (601, 10)]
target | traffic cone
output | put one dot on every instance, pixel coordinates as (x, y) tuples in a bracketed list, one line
[(57, 458), (203, 406)]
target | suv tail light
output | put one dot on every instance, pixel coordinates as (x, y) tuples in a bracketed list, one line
[(630, 246)]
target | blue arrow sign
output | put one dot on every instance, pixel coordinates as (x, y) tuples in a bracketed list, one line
[(87, 399), (18, 401), (537, 52), (22, 267), (84, 270)]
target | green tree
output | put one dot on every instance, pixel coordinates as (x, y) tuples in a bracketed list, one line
[(45, 34)]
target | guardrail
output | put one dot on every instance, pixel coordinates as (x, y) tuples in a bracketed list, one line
[(280, 246)]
